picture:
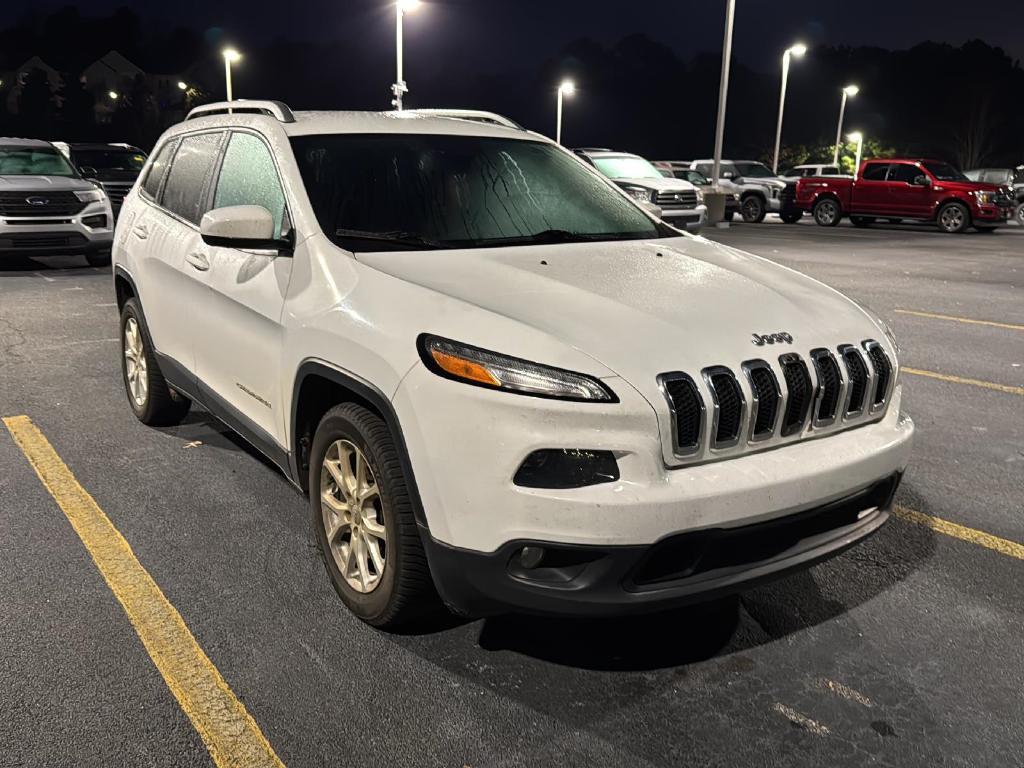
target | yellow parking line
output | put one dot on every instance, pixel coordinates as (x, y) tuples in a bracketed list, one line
[(228, 730), (982, 539), (970, 321), (1011, 390)]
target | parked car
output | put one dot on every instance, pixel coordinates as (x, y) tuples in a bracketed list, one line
[(1011, 178), (47, 208), (924, 190), (678, 169), (760, 187), (803, 171), (681, 203), (494, 375), (115, 167)]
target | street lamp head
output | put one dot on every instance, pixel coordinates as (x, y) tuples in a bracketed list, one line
[(230, 54), (182, 85), (851, 90), (856, 137), (407, 6), (113, 95), (568, 87), (798, 50)]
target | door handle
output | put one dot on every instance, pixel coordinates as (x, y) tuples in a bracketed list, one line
[(198, 260), (141, 232)]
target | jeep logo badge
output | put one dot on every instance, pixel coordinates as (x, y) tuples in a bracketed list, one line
[(772, 338), (36, 200)]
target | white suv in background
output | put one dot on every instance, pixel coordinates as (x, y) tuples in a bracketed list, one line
[(497, 378)]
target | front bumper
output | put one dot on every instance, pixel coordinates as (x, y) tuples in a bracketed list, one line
[(690, 219), (53, 235), (680, 569), (992, 214)]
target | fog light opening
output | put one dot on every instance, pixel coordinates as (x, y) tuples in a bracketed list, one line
[(531, 557)]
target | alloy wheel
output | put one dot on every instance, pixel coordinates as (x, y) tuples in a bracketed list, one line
[(135, 369), (952, 218), (353, 516), (826, 212)]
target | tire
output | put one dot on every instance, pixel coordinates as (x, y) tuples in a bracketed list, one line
[(151, 399), (827, 212), (1019, 214), (752, 209), (954, 218), (394, 587), (98, 259), (791, 217), (862, 221)]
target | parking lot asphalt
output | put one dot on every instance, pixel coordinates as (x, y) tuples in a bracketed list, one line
[(905, 651)]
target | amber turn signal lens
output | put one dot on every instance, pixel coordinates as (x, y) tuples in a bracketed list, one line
[(464, 369)]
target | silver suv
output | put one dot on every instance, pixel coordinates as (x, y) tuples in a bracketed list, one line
[(47, 208), (760, 187)]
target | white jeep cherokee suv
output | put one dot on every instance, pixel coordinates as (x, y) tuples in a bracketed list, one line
[(498, 379)]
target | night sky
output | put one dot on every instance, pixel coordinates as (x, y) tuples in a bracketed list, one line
[(496, 36)]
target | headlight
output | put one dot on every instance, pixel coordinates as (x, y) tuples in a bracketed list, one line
[(700, 197), (985, 198), (639, 194), (91, 196), (471, 365)]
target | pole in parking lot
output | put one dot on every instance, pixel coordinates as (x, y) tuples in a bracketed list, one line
[(230, 56), (797, 50), (858, 138), (400, 88), (848, 92), (723, 90), (567, 88)]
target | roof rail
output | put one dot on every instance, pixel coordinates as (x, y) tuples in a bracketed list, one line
[(476, 115), (277, 109)]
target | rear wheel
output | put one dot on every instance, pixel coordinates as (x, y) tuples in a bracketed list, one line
[(827, 212), (363, 519), (954, 218), (152, 400), (753, 209)]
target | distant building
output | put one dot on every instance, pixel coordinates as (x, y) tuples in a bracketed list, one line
[(17, 78)]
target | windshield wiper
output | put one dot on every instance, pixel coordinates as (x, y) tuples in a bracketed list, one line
[(408, 239), (548, 236)]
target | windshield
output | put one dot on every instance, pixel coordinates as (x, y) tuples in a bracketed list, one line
[(626, 167), (944, 171), (110, 159), (34, 161), (754, 170), (695, 177), (402, 191)]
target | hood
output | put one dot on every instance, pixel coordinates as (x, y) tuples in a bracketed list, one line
[(43, 183), (640, 307), (969, 186), (663, 184), (775, 182)]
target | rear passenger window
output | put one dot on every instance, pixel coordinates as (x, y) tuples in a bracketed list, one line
[(188, 180), (903, 172), (158, 169), (830, 171), (248, 177), (875, 172)]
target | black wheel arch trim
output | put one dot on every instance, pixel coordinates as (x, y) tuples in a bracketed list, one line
[(372, 395)]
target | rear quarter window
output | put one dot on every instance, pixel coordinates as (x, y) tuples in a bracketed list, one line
[(185, 192), (158, 169)]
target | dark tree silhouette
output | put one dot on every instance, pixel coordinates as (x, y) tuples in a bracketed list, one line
[(36, 108)]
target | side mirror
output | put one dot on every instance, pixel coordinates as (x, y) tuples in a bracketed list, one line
[(651, 208), (922, 181), (88, 171), (242, 226)]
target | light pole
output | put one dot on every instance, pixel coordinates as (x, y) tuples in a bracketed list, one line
[(400, 88), (723, 90), (848, 92), (797, 50), (858, 138), (230, 56), (567, 88)]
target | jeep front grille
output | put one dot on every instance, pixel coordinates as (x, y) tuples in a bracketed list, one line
[(788, 400)]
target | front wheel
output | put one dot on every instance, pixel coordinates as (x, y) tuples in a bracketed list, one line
[(752, 209), (954, 218), (827, 212), (1019, 214), (363, 519), (152, 400)]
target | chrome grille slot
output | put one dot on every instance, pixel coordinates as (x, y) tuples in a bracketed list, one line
[(859, 379), (883, 372), (764, 388), (799, 393), (687, 408), (729, 407), (830, 387), (683, 198)]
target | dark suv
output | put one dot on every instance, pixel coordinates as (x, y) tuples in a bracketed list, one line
[(113, 166)]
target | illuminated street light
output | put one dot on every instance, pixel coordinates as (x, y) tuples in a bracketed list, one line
[(797, 50), (230, 57), (848, 92), (567, 88), (114, 95), (400, 88), (182, 85), (858, 138)]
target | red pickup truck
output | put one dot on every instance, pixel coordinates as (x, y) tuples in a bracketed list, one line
[(925, 190)]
